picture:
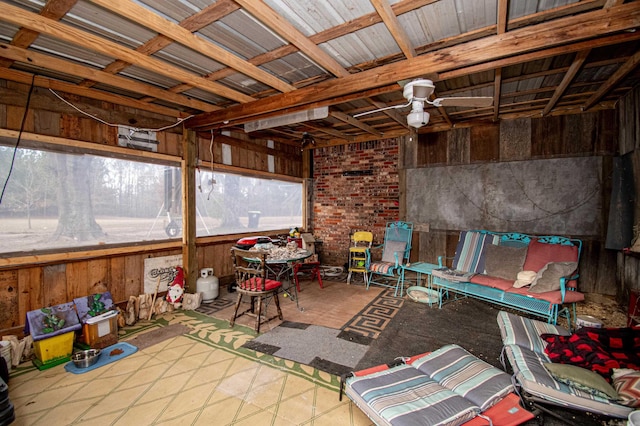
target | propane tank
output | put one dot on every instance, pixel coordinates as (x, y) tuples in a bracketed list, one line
[(208, 285)]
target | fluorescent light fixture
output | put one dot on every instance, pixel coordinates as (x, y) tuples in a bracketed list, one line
[(283, 120)]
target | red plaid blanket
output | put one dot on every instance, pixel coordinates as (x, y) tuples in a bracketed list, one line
[(597, 349)]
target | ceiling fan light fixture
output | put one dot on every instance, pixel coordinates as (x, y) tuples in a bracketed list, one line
[(418, 119)]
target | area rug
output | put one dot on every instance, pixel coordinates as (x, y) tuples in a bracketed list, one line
[(419, 328), (333, 351)]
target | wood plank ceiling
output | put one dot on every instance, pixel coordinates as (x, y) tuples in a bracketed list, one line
[(229, 62)]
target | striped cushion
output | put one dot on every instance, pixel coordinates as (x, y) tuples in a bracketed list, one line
[(382, 267), (470, 252), (525, 332), (403, 395), (529, 371), (458, 370), (258, 284)]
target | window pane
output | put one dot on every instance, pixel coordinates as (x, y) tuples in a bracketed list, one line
[(228, 203), (57, 200)]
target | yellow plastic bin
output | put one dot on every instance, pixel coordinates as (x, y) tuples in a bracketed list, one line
[(53, 350)]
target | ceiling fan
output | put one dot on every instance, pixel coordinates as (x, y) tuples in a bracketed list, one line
[(417, 93)]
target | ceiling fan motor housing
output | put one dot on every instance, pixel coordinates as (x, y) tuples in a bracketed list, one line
[(419, 89)]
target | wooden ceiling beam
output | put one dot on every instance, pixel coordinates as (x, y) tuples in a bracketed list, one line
[(328, 131), (391, 113), (397, 32), (175, 32), (541, 54), (53, 9), (573, 29), (354, 122), (287, 31), (86, 40), (60, 86), (193, 23), (612, 81), (60, 65), (575, 67)]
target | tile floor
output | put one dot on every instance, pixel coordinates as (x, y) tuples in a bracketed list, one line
[(203, 377)]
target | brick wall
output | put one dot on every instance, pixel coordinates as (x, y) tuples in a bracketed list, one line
[(355, 188)]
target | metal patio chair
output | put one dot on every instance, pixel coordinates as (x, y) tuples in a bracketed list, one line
[(389, 271)]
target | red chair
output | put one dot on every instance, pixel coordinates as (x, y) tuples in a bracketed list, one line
[(312, 268)]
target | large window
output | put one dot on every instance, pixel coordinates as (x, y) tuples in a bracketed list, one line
[(229, 203), (65, 200), (59, 200)]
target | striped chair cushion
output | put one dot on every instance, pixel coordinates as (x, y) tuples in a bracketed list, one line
[(403, 395), (470, 252), (456, 369), (525, 332), (385, 268)]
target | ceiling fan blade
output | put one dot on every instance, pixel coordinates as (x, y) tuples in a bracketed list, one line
[(479, 101)]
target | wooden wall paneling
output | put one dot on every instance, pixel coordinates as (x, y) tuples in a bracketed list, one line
[(134, 276), (515, 139), (485, 143), (31, 291), (55, 284), (14, 118), (46, 122), (9, 299), (545, 136), (432, 245), (432, 148), (3, 116), (458, 146), (575, 139), (607, 132), (173, 143), (98, 276), (116, 281), (77, 280), (69, 127), (627, 113)]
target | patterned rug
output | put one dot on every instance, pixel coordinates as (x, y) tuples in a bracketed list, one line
[(334, 351)]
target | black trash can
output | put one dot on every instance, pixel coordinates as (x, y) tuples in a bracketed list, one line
[(254, 219)]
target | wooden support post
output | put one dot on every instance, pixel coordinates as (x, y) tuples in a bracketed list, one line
[(189, 255)]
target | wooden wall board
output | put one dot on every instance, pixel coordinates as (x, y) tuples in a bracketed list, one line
[(116, 281), (458, 146), (484, 143), (9, 299), (515, 139), (432, 148), (77, 280), (54, 280), (97, 276), (31, 288)]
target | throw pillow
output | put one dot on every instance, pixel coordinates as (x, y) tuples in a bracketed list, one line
[(503, 261), (390, 248), (628, 387), (548, 278), (581, 378), (470, 251)]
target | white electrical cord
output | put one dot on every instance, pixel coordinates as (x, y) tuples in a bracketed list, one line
[(134, 129)]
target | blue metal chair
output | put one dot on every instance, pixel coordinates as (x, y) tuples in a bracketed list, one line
[(389, 271)]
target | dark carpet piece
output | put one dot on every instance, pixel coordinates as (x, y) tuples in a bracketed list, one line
[(150, 338), (313, 345), (418, 328)]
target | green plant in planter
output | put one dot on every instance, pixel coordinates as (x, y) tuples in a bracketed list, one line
[(50, 321), (96, 307)]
